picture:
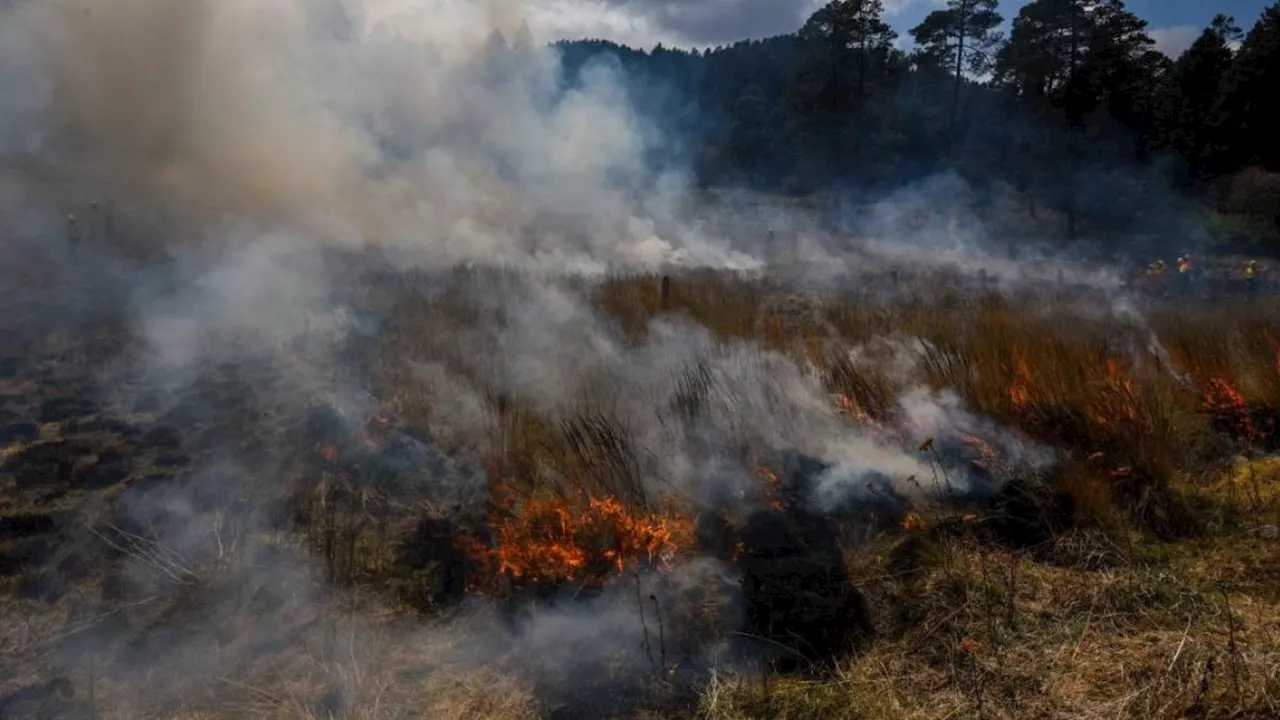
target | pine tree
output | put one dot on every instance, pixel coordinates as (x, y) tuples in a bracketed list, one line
[(1249, 110), (852, 53), (1191, 94), (963, 36)]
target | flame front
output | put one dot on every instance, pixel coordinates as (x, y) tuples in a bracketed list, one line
[(1117, 404), (549, 539), (1224, 399), (1020, 387)]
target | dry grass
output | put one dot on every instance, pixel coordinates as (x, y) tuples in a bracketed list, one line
[(1160, 599), (990, 635), (1159, 628)]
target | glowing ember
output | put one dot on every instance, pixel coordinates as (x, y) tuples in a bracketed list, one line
[(773, 487), (912, 522), (328, 451), (373, 433), (549, 539)]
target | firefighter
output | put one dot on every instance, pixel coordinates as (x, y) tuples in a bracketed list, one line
[(1251, 278), (1184, 271)]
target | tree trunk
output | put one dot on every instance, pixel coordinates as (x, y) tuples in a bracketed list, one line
[(1072, 110), (861, 115), (955, 90)]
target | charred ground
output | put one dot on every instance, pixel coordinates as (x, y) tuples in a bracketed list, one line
[(251, 539)]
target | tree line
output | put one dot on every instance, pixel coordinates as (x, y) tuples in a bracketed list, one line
[(1075, 114)]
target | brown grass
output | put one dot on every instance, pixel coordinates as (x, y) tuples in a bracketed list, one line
[(1162, 628), (1192, 633), (1160, 600)]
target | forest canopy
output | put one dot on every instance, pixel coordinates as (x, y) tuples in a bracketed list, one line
[(1074, 112)]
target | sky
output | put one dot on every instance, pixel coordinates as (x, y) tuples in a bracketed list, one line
[(1174, 24)]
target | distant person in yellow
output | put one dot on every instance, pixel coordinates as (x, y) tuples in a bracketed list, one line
[(1184, 271), (1251, 278)]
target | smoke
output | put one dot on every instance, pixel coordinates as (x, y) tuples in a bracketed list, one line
[(267, 159), (433, 141)]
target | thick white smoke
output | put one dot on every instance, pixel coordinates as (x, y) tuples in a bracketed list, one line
[(433, 140), (250, 149)]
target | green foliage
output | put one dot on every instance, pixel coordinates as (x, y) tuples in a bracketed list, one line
[(1250, 113), (963, 35), (1250, 212), (1233, 229), (1190, 95), (1077, 95)]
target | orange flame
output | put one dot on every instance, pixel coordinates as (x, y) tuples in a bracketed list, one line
[(773, 487), (986, 453), (848, 406), (1020, 387), (1221, 394), (372, 433), (1222, 397), (549, 539), (1117, 404)]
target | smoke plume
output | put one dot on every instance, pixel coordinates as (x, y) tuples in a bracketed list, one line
[(240, 172)]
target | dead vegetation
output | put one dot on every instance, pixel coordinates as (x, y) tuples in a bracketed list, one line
[(1140, 581)]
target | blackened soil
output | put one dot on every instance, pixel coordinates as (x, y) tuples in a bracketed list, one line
[(18, 432), (25, 525)]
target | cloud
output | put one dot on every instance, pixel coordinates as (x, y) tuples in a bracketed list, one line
[(674, 23), (723, 21), (1173, 40), (894, 8), (681, 23)]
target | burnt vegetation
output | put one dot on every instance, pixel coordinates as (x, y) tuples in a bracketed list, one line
[(915, 490), (1155, 515)]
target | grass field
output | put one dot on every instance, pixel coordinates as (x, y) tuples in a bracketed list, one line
[(500, 498)]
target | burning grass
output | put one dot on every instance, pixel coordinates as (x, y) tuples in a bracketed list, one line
[(552, 540), (1127, 416), (1138, 578)]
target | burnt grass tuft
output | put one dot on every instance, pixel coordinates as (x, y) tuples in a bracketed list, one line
[(1136, 576)]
